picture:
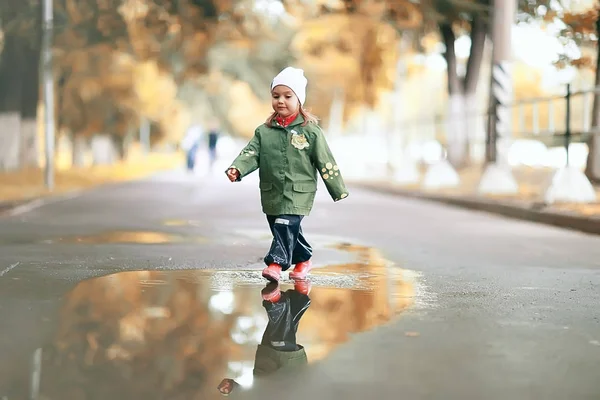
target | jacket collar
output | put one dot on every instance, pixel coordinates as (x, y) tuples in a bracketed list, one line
[(298, 121), (285, 122)]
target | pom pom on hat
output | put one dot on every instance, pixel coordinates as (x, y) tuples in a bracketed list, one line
[(294, 79)]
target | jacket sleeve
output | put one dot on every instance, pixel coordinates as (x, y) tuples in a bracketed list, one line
[(325, 163), (248, 160)]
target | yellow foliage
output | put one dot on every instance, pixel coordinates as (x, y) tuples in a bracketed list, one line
[(246, 111), (155, 91), (29, 183), (353, 52)]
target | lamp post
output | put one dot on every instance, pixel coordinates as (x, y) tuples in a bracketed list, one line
[(48, 84)]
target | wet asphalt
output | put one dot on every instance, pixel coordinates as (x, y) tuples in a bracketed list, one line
[(502, 308)]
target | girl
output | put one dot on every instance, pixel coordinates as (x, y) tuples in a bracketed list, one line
[(289, 149)]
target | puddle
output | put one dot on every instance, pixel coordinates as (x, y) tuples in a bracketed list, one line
[(179, 334), (182, 222), (128, 237), (157, 237)]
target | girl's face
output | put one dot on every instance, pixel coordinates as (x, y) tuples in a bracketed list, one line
[(284, 101)]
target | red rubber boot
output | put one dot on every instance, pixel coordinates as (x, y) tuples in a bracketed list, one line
[(271, 292), (302, 286), (301, 271), (272, 273)]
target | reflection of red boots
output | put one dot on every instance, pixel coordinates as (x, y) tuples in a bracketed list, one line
[(302, 286), (271, 292), (272, 272), (301, 271)]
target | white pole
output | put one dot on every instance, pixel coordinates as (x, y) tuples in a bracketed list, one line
[(48, 82)]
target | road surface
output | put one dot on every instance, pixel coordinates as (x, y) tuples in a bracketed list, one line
[(495, 308)]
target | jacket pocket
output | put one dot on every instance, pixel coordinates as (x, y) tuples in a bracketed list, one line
[(305, 187), (266, 186)]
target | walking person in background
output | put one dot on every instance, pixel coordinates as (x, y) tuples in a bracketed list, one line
[(289, 149), (213, 138), (190, 144)]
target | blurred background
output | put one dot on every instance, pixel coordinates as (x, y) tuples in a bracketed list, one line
[(497, 100), (404, 89)]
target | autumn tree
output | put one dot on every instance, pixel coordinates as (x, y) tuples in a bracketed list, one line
[(349, 49), (582, 28), (123, 60), (118, 61), (587, 24), (472, 17), (19, 83), (453, 19)]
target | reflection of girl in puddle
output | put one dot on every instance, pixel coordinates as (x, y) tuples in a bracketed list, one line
[(278, 348)]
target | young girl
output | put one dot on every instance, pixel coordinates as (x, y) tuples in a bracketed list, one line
[(289, 149)]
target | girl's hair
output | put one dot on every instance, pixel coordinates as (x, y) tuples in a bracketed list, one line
[(309, 118)]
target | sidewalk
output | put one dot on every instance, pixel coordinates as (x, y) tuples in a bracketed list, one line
[(526, 205), (20, 187)]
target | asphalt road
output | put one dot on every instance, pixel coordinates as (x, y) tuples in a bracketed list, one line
[(502, 309)]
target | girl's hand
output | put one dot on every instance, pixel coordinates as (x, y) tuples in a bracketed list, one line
[(233, 174)]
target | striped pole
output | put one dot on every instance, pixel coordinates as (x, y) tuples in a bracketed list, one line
[(498, 178), (500, 123), (502, 92)]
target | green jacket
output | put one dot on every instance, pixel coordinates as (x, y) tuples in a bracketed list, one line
[(269, 361), (288, 160)]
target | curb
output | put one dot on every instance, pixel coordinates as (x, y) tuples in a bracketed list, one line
[(7, 206), (11, 208), (15, 207), (514, 210)]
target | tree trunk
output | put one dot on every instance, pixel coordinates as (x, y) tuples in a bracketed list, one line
[(336, 113), (462, 111), (478, 34), (128, 140), (457, 144), (592, 168), (9, 140), (10, 104), (104, 150), (456, 134), (120, 147), (79, 148), (30, 72), (475, 132), (29, 152), (454, 82)]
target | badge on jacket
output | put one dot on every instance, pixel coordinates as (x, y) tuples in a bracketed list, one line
[(299, 140)]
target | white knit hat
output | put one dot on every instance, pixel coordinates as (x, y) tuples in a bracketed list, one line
[(294, 79)]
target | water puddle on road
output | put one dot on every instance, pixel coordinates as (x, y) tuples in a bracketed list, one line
[(182, 222), (128, 237), (179, 334)]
